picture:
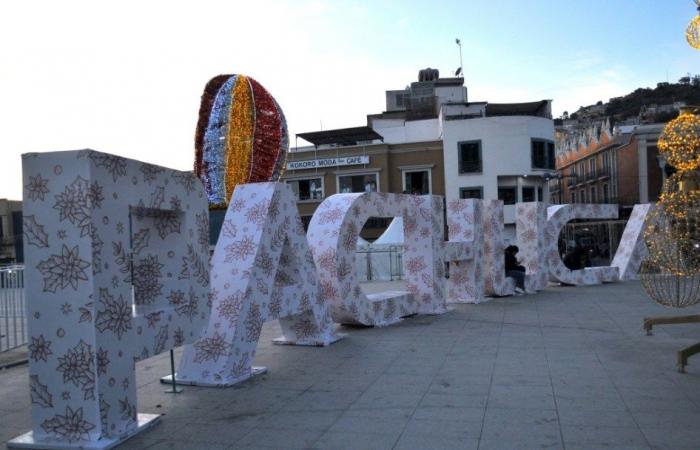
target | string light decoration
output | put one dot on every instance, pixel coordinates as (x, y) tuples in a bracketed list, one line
[(692, 33), (241, 137), (679, 142), (671, 272)]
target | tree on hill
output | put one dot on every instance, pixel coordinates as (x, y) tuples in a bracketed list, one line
[(663, 94)]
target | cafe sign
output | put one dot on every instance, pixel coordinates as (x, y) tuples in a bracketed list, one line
[(328, 162)]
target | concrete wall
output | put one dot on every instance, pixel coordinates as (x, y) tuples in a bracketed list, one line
[(505, 152), (399, 131)]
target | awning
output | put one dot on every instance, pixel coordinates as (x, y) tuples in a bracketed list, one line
[(342, 136)]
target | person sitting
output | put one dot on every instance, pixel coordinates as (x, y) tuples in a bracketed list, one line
[(513, 269)]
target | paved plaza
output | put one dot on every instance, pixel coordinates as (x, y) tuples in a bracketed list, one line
[(566, 368)]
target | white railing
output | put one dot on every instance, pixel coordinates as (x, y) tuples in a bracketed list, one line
[(13, 322)]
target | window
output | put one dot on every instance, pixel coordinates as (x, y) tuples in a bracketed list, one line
[(308, 189), (469, 157), (358, 183), (416, 182), (606, 194), (582, 169), (471, 192), (540, 194), (528, 194), (573, 197), (591, 167), (594, 197), (508, 195), (583, 196), (543, 154)]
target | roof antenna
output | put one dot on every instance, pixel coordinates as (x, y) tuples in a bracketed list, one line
[(458, 72)]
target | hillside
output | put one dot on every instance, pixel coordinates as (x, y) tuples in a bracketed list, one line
[(630, 105)]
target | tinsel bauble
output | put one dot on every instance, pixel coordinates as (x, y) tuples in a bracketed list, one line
[(241, 137)]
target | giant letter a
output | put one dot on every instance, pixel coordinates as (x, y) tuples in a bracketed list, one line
[(262, 269)]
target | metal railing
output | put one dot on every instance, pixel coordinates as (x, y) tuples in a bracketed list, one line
[(380, 264), (13, 321)]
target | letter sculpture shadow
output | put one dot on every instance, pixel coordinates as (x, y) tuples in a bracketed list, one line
[(262, 269), (333, 234)]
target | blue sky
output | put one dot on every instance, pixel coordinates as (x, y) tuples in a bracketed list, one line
[(125, 77)]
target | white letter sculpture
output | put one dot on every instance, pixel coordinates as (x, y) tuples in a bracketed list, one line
[(98, 228), (262, 269), (632, 249), (496, 283), (333, 234), (558, 217), (531, 222), (465, 226)]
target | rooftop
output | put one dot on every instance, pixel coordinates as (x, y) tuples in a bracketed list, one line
[(341, 136)]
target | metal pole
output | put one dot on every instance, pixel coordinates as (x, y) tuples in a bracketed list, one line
[(175, 389)]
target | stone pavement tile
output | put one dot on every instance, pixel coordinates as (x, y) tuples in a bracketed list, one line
[(388, 398), (530, 397), (524, 436), (165, 429), (302, 420), (576, 371), (672, 439), (449, 413), (280, 438), (515, 368), (658, 401), (453, 428), (611, 447), (573, 383), (587, 391), (322, 400), (413, 368), (354, 440), (667, 419), (454, 400), (214, 433), (516, 379), (453, 385), (401, 414), (590, 403), (401, 382), (14, 424), (503, 416), (410, 441), (367, 424), (596, 418), (467, 367), (603, 437), (143, 443)]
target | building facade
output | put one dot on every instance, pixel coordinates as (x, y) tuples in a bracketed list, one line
[(355, 160), (431, 135), (602, 164)]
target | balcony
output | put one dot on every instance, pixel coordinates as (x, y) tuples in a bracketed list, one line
[(604, 173)]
